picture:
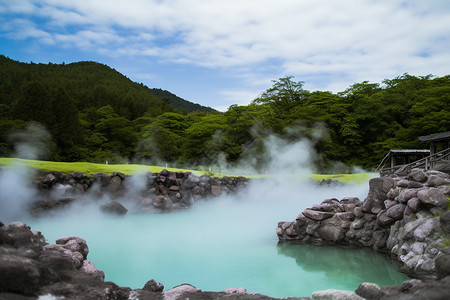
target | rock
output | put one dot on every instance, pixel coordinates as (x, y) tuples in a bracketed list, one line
[(433, 196), (89, 268), (5, 239), (176, 292), (389, 203), (396, 212), (165, 173), (235, 291), (406, 194), (216, 190), (332, 229), (74, 243), (418, 248), (358, 211), (435, 181), (153, 286), (316, 215), (57, 261), (19, 275), (114, 184), (370, 291), (333, 294), (445, 221), (442, 263), (425, 230), (384, 220), (121, 175), (417, 175), (414, 204), (414, 185), (378, 189), (403, 183), (114, 208)]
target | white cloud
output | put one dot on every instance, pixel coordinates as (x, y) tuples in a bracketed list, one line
[(346, 40)]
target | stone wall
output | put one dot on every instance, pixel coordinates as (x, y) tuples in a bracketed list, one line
[(407, 217), (149, 192)]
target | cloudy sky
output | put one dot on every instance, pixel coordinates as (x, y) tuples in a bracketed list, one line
[(223, 52)]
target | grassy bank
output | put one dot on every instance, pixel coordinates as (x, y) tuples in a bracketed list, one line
[(129, 169)]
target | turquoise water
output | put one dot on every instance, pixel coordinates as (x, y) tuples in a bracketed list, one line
[(222, 243)]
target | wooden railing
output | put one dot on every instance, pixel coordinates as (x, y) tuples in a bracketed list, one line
[(426, 163)]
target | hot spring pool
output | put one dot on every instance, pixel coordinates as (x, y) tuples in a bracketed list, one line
[(223, 243)]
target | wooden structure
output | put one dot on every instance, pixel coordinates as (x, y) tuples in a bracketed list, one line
[(436, 158), (396, 159), (437, 142)]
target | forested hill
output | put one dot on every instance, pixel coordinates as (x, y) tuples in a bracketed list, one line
[(89, 112), (91, 83), (180, 103)]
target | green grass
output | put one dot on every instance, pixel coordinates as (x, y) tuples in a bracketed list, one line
[(84, 167), (129, 169)]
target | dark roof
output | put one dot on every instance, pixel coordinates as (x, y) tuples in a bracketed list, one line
[(410, 151), (435, 137)]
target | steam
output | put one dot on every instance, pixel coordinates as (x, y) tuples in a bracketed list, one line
[(183, 246), (30, 143)]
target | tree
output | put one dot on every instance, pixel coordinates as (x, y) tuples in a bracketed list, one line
[(284, 93)]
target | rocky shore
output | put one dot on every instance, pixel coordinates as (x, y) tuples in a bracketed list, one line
[(406, 217), (143, 193)]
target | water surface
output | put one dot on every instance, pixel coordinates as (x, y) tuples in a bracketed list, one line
[(223, 243)]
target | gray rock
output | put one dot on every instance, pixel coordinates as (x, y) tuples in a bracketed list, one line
[(333, 294), (393, 193), (176, 292), (317, 215), (19, 275), (445, 189), (435, 181), (418, 248), (89, 268), (406, 194), (433, 196), (370, 291), (417, 175), (153, 286), (438, 173), (442, 263), (114, 207), (378, 189), (403, 183), (414, 204), (331, 233), (396, 212), (114, 184), (384, 220), (445, 221), (425, 230), (389, 203)]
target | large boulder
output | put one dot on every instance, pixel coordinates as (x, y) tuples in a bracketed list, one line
[(445, 221), (433, 197), (19, 275), (333, 294), (114, 208), (378, 190), (153, 286)]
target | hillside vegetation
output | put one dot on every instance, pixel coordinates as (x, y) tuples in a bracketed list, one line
[(89, 112)]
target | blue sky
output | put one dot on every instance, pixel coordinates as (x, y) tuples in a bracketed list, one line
[(223, 52)]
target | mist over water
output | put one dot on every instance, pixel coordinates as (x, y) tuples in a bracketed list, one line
[(222, 242)]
